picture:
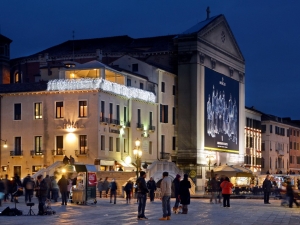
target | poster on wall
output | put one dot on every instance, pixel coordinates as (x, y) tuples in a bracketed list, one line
[(221, 112)]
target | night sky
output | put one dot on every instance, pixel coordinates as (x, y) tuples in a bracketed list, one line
[(267, 32)]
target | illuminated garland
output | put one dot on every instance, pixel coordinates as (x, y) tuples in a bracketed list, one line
[(99, 83)]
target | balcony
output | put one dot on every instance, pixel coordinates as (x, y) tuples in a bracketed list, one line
[(139, 126), (83, 152), (113, 122), (104, 120), (280, 152), (16, 153), (35, 153), (164, 155), (58, 152), (151, 128)]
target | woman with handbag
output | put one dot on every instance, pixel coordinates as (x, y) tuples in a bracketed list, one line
[(226, 186)]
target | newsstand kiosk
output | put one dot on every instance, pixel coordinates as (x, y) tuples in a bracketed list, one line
[(86, 183)]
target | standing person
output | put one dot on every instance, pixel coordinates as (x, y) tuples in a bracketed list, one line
[(267, 185), (100, 187), (106, 186), (41, 193), (290, 193), (6, 186), (226, 186), (151, 185), (184, 193), (142, 191), (176, 184), (2, 189), (28, 185), (166, 191), (16, 183), (48, 182), (214, 189), (128, 189), (113, 190), (63, 187), (55, 188)]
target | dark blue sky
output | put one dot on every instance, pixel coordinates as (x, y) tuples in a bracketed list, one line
[(267, 32)]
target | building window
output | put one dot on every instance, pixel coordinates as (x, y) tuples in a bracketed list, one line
[(173, 116), (298, 159), (117, 144), (111, 144), (38, 108), (174, 143), (128, 82), (139, 117), (102, 142), (38, 145), (110, 112), (59, 109), (262, 163), (295, 146), (82, 108), (263, 128), (294, 133), (135, 67), (36, 168), (59, 145), (163, 113), (297, 133), (162, 143), (150, 147), (83, 144), (118, 115), (291, 159), (18, 149), (150, 120), (102, 110), (263, 146), (270, 163), (174, 90), (162, 86), (271, 130), (291, 145), (17, 111), (142, 86)]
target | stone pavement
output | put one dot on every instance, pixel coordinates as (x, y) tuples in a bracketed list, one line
[(242, 211)]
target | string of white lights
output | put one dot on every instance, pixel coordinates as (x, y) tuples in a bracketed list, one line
[(99, 83)]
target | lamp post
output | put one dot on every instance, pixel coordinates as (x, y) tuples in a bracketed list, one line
[(138, 154), (5, 145), (208, 159)]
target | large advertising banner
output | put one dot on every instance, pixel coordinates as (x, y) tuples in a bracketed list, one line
[(221, 112)]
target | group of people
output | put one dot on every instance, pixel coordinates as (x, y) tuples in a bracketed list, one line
[(11, 189), (221, 186), (107, 186)]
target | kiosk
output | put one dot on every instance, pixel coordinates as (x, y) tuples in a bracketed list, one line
[(86, 182)]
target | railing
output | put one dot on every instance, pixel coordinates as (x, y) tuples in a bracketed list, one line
[(16, 153), (81, 152), (164, 155), (114, 122), (37, 153), (151, 128), (58, 152), (104, 120), (139, 126)]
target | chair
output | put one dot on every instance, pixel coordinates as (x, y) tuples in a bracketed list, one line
[(30, 212)]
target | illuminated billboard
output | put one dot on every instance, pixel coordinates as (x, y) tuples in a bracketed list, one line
[(221, 112)]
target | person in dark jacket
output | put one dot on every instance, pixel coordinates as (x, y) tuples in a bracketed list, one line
[(41, 193), (63, 187), (184, 193), (214, 189), (105, 186), (176, 184), (48, 182), (142, 191), (290, 193), (2, 190), (267, 185), (151, 185), (113, 190), (28, 185), (128, 189)]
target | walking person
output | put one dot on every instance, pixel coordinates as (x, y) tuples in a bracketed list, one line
[(226, 186), (267, 185), (2, 189), (291, 194), (214, 189), (55, 189), (176, 185), (6, 187), (151, 185), (100, 187), (28, 185), (184, 193), (48, 182), (166, 191), (128, 189), (113, 190), (63, 187), (106, 186), (41, 193), (142, 191)]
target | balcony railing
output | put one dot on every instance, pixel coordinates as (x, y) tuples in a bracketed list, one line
[(82, 152), (151, 128), (58, 152), (104, 120), (16, 153), (114, 122), (164, 155), (37, 153), (139, 126)]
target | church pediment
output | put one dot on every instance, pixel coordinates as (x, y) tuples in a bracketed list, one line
[(218, 35)]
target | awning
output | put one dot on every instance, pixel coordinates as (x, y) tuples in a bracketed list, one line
[(107, 162)]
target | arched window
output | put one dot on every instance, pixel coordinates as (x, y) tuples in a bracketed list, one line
[(17, 78)]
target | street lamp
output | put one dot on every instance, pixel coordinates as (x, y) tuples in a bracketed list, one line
[(208, 159), (138, 154), (5, 145)]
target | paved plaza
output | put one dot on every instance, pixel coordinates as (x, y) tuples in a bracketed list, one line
[(242, 211)]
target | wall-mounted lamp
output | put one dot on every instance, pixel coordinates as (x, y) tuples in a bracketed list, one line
[(4, 168), (5, 145), (70, 126)]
